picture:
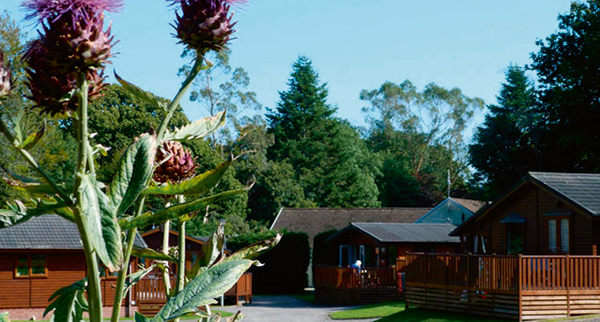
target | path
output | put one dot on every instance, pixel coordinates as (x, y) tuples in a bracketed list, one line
[(284, 308)]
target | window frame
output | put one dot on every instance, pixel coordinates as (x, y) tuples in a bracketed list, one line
[(30, 275), (558, 219)]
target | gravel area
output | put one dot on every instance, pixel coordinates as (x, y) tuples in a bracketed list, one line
[(285, 308)]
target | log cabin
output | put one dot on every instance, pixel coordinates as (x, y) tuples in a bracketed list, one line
[(40, 256), (532, 254)]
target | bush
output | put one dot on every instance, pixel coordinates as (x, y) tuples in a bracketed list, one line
[(325, 253), (285, 265)]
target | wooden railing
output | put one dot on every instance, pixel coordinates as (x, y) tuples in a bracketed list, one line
[(553, 273), (152, 289), (352, 278), (487, 273), (505, 273), (401, 264)]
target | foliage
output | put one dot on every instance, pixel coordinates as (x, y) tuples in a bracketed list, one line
[(285, 271), (324, 253), (507, 144), (418, 134), (328, 157), (567, 68)]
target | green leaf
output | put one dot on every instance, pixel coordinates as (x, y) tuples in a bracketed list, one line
[(69, 303), (4, 317), (198, 185), (139, 317), (140, 93), (33, 138), (203, 289), (18, 213), (256, 249), (101, 222), (181, 210), (136, 277), (134, 170), (198, 129), (151, 254), (210, 251)]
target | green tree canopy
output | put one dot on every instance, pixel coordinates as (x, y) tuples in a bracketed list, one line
[(330, 160)]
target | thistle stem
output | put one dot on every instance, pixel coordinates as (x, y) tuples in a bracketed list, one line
[(33, 163), (116, 312), (93, 276), (175, 102), (181, 265), (165, 247)]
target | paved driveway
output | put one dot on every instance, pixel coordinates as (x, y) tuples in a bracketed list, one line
[(284, 308)]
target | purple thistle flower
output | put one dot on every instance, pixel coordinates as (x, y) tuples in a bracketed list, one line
[(72, 43), (174, 163), (79, 10), (205, 25)]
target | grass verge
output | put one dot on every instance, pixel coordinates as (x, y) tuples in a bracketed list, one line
[(306, 297), (419, 315), (370, 311)]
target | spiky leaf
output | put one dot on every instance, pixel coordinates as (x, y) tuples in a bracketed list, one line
[(210, 250), (32, 139), (101, 222), (4, 317), (136, 277), (18, 213), (196, 186), (198, 129), (69, 303), (203, 289), (181, 211), (151, 254), (140, 93), (256, 249), (134, 170)]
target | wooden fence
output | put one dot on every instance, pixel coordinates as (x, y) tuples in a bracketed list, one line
[(353, 278), (520, 287)]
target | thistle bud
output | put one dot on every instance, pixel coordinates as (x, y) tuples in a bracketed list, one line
[(72, 42), (5, 77), (174, 163), (205, 25)]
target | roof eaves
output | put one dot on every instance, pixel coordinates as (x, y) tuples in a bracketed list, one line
[(548, 188), (432, 210), (276, 217)]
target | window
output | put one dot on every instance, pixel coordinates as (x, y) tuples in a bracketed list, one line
[(33, 265), (105, 273), (558, 236)]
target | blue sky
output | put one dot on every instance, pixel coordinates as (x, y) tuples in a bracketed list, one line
[(354, 45)]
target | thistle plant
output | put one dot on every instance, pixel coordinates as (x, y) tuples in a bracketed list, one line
[(66, 64)]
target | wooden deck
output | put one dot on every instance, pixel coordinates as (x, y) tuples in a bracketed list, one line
[(518, 287), (151, 296), (348, 286)]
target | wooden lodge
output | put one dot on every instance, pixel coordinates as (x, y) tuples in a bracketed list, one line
[(378, 246), (40, 256), (530, 255)]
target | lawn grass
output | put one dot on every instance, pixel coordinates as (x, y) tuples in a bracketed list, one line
[(306, 297), (370, 311), (419, 315)]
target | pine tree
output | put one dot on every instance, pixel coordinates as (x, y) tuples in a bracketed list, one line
[(330, 160), (507, 144)]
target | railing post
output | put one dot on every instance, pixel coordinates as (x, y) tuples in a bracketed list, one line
[(520, 286), (568, 285), (447, 262), (469, 281), (494, 284)]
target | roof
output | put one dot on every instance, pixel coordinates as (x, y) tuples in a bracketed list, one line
[(197, 239), (46, 232), (580, 190), (472, 205), (451, 210), (316, 220), (405, 232)]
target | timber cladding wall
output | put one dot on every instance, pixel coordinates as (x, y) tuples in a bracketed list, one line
[(552, 305), (464, 301)]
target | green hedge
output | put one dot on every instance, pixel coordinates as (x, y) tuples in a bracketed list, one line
[(324, 253), (285, 266)]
